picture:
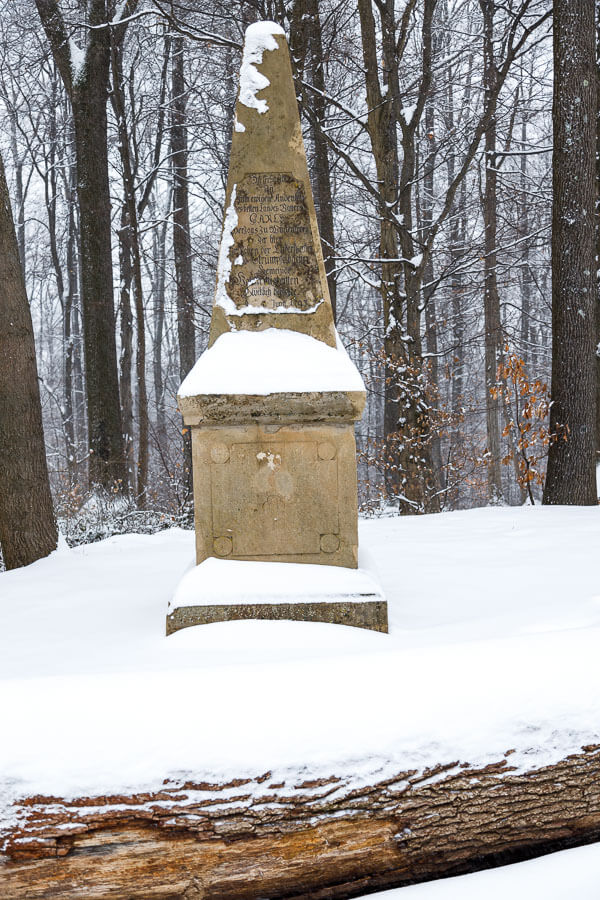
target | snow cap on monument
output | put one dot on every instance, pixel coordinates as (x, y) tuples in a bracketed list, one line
[(270, 271)]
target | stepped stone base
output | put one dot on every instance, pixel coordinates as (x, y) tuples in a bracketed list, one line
[(221, 590), (371, 614)]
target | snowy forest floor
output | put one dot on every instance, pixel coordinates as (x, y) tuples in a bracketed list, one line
[(568, 875), (493, 646)]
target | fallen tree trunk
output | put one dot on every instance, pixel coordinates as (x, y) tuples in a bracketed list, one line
[(253, 839)]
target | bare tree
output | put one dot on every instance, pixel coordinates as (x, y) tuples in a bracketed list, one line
[(182, 247), (491, 299), (131, 269), (306, 45), (571, 470), (598, 228), (85, 76), (27, 524)]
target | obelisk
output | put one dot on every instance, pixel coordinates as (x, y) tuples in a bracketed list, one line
[(270, 259), (273, 400)]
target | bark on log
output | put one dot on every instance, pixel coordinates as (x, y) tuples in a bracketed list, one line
[(319, 839)]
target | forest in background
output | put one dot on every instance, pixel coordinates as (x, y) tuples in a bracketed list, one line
[(428, 128)]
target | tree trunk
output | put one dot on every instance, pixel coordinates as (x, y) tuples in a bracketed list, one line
[(19, 191), (87, 87), (323, 198), (431, 319), (571, 461), (524, 225), (420, 491), (409, 473), (310, 840), (491, 299), (135, 265), (457, 243), (182, 246), (159, 267), (27, 524), (65, 298), (126, 357), (74, 374), (106, 465), (69, 416), (598, 232), (381, 124)]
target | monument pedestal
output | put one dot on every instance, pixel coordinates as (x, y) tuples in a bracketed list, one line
[(275, 485), (274, 473), (272, 403)]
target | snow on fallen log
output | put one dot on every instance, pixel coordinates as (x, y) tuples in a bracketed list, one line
[(254, 838)]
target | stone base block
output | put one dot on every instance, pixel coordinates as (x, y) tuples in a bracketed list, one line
[(224, 590), (366, 614)]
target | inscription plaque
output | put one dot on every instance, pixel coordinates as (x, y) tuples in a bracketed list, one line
[(273, 260)]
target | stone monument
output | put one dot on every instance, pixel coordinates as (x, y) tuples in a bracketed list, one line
[(273, 400)]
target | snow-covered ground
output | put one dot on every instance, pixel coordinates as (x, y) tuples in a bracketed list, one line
[(568, 875), (495, 629)]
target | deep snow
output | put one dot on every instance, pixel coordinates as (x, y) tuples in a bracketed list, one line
[(568, 875), (495, 627), (218, 582)]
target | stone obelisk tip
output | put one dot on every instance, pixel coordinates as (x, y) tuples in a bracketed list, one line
[(270, 271)]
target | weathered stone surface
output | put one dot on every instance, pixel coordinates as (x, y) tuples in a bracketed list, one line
[(279, 268), (282, 493), (276, 408), (271, 255), (371, 614)]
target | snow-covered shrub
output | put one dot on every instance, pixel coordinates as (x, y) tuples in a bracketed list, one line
[(103, 514)]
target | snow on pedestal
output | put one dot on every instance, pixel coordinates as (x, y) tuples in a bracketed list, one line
[(269, 362)]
